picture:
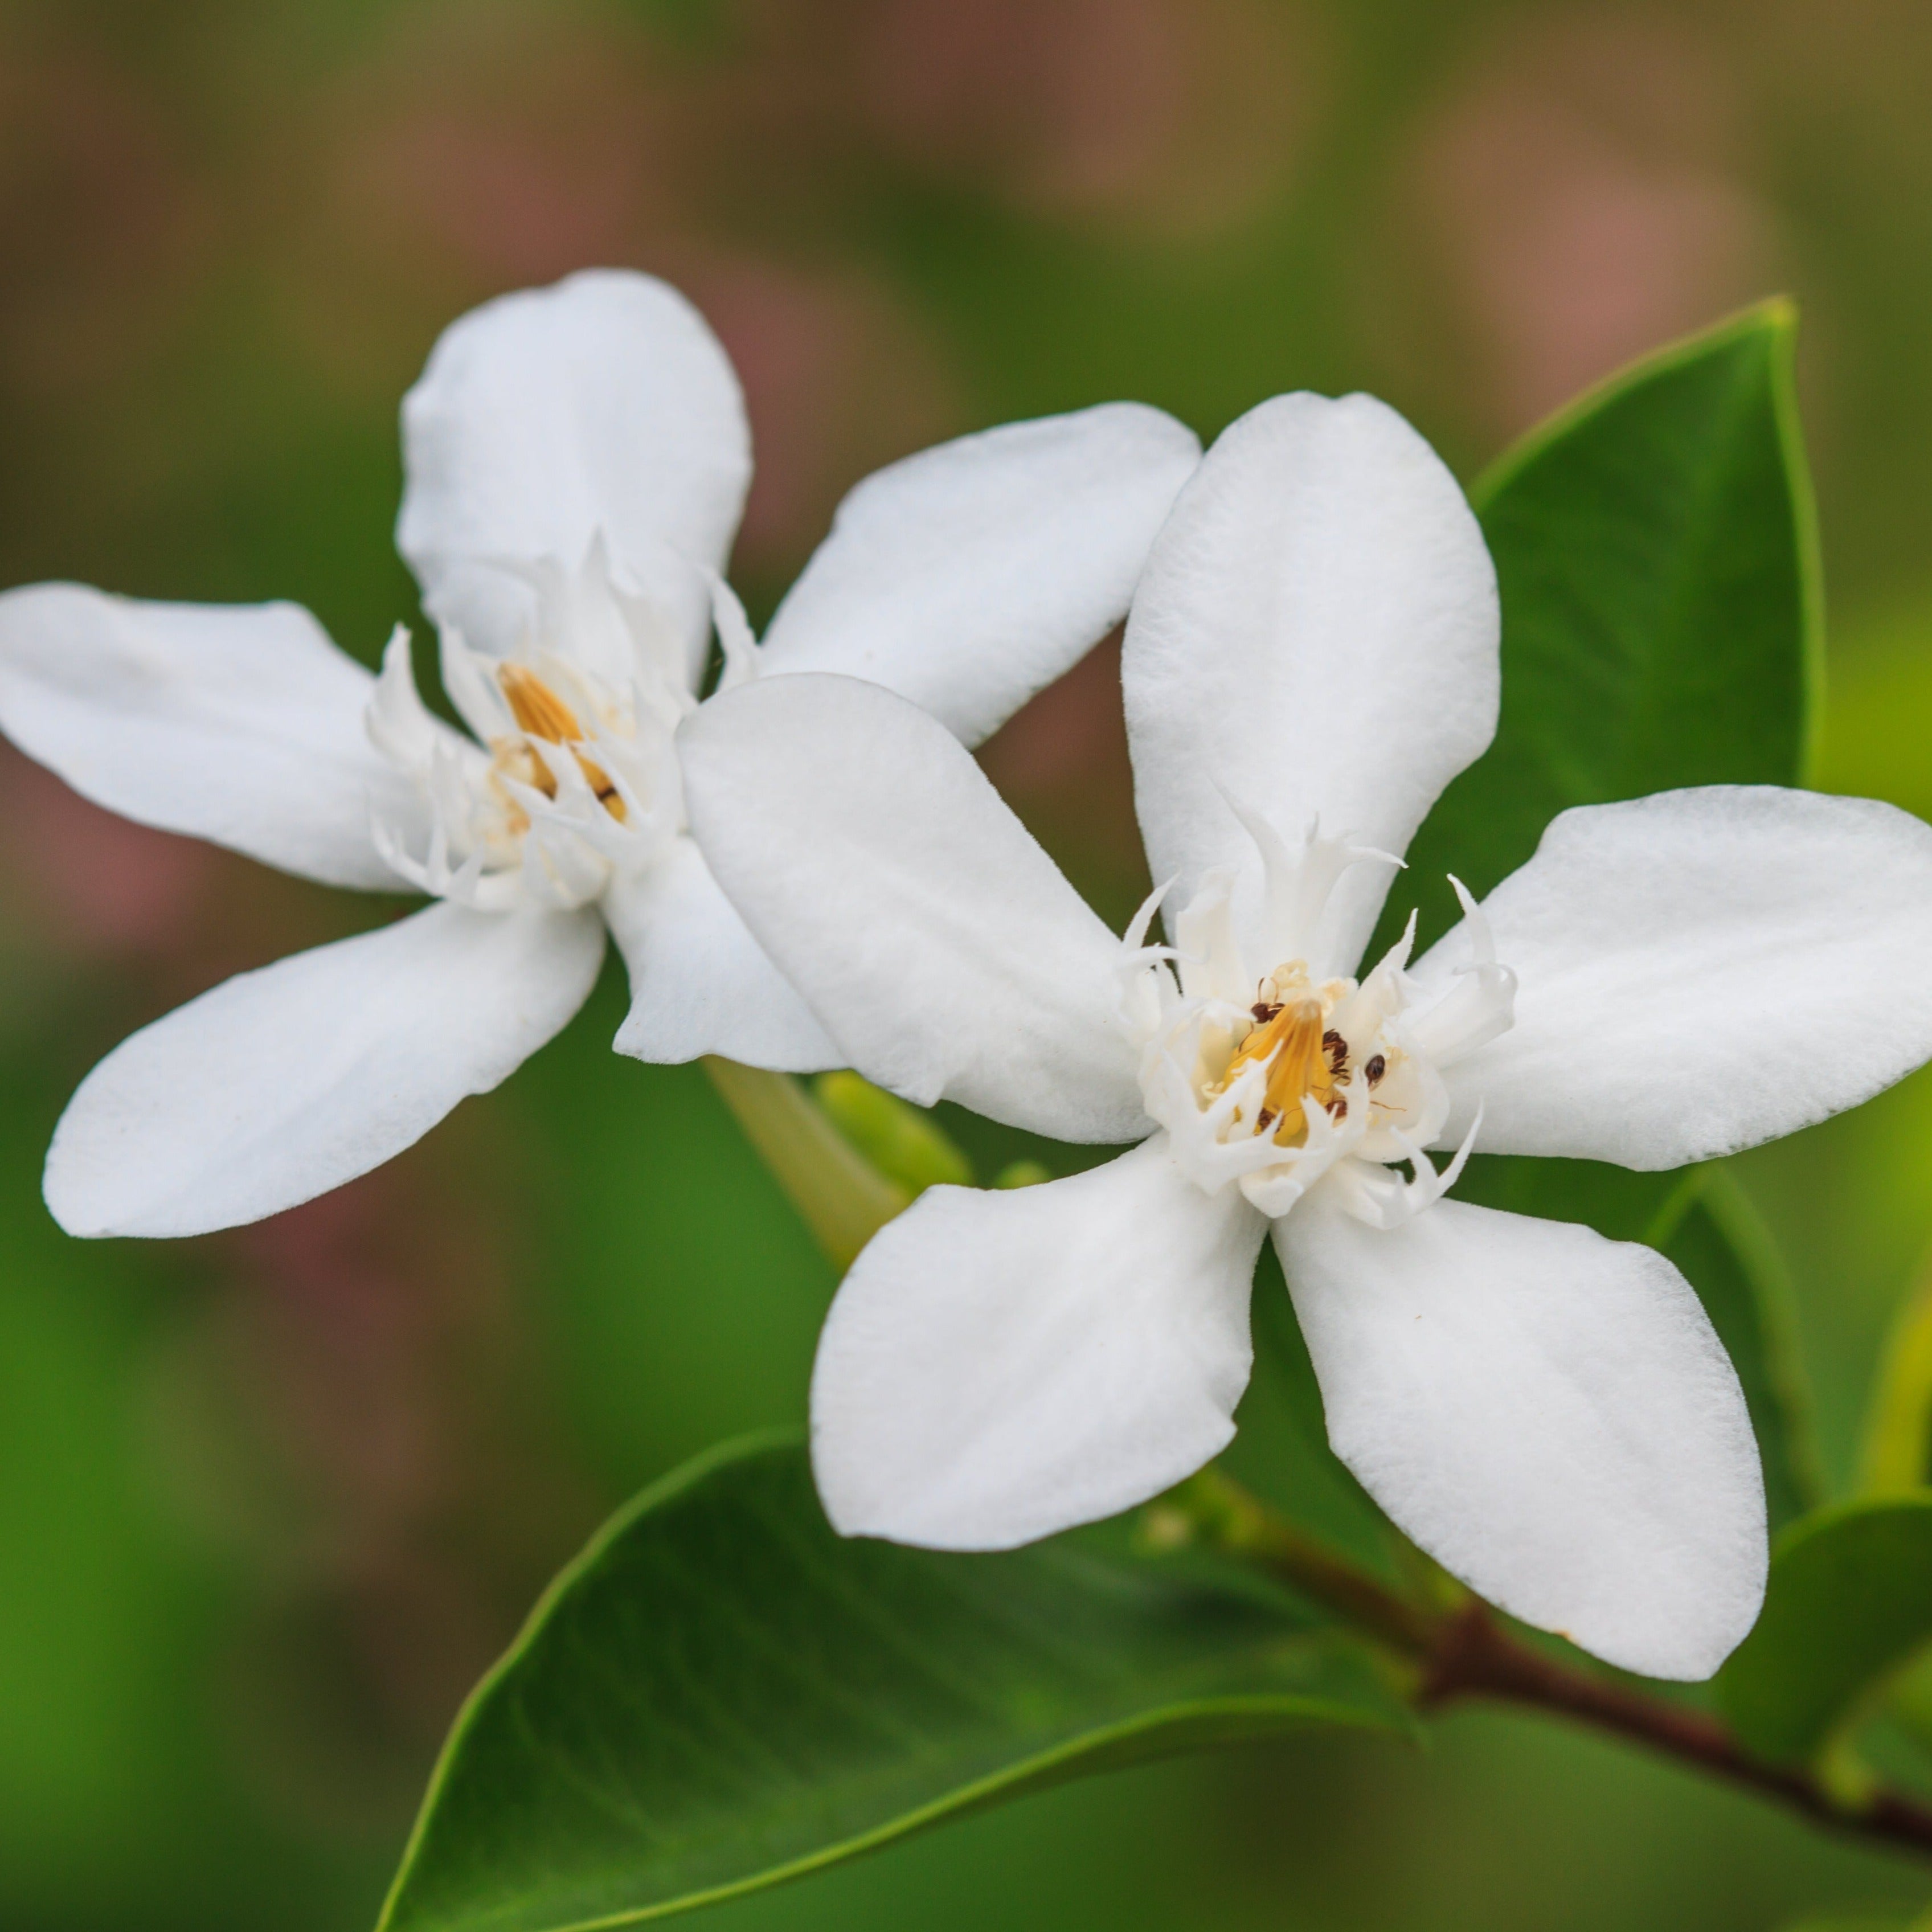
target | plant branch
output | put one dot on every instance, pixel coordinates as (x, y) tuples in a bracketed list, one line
[(1460, 1649), (1465, 1652), (1474, 1656)]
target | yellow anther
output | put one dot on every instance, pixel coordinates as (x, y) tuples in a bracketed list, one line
[(1303, 1061), (536, 708), (541, 713)]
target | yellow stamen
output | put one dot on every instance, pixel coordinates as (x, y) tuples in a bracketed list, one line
[(536, 708), (541, 713), (1301, 1064)]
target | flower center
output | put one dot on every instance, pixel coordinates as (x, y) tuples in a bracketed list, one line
[(1306, 1058), (1272, 1085), (541, 713)]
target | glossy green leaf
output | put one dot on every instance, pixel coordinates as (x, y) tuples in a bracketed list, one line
[(1728, 1255), (720, 1693), (1850, 1601), (1657, 557), (1657, 553)]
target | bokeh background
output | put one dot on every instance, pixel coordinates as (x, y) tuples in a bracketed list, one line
[(269, 1502)]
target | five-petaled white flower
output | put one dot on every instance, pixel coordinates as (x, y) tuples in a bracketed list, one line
[(1547, 1412), (577, 458)]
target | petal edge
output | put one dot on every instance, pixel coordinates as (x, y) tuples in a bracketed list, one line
[(1549, 1414), (972, 574), (279, 1084), (1699, 972), (998, 1366)]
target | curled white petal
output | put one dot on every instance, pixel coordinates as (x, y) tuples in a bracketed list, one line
[(602, 404), (700, 982), (878, 868), (1479, 1005), (1375, 1195), (735, 636)]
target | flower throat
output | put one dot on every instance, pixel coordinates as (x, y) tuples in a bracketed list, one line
[(1306, 1058), (540, 713)]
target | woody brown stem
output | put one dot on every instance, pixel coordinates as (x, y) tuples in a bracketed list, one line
[(1472, 1655), (1466, 1652)]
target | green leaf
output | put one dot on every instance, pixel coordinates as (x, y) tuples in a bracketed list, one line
[(1728, 1255), (721, 1693), (1850, 1600), (1658, 556), (1897, 1457), (1657, 552)]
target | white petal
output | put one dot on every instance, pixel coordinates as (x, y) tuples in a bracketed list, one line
[(968, 576), (602, 404), (999, 1366), (239, 723), (879, 869), (280, 1084), (1549, 1414), (1316, 634), (1699, 971), (700, 982)]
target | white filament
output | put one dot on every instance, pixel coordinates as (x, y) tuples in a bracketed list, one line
[(498, 841), (1190, 1006)]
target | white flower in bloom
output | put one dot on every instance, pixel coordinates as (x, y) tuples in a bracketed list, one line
[(1547, 1412), (577, 458)]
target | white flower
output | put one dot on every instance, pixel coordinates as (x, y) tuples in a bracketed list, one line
[(1547, 1412), (576, 458)]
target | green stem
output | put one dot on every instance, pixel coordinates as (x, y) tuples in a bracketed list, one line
[(843, 1198)]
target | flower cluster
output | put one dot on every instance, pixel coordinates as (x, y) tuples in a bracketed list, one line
[(803, 866)]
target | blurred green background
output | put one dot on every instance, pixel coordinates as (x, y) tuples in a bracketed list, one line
[(270, 1501)]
